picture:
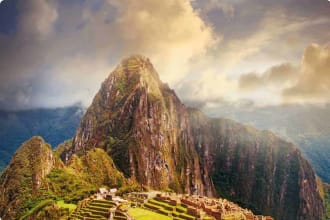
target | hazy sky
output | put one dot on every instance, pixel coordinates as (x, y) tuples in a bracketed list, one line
[(256, 52)]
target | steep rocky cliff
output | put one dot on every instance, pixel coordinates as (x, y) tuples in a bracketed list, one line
[(154, 139), (144, 127), (257, 169)]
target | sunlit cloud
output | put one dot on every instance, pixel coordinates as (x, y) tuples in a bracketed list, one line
[(314, 80), (59, 52)]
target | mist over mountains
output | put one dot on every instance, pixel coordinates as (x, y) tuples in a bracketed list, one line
[(305, 125)]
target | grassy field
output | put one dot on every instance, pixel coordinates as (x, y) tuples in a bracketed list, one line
[(62, 204), (142, 214)]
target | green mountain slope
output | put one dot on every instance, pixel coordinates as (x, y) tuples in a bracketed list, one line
[(36, 180)]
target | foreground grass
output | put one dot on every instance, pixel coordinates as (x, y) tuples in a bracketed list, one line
[(70, 206), (143, 214)]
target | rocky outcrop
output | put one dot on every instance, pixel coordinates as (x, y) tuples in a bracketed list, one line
[(24, 175), (153, 138)]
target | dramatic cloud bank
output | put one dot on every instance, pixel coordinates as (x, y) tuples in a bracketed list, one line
[(60, 53), (56, 53)]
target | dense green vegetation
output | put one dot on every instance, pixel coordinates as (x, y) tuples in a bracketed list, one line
[(22, 178), (83, 177), (60, 191), (56, 194), (65, 184)]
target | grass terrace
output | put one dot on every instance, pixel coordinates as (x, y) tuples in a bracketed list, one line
[(143, 214), (178, 212), (70, 206), (96, 209)]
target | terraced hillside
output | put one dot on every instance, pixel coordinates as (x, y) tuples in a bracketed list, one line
[(177, 212), (98, 209), (144, 214)]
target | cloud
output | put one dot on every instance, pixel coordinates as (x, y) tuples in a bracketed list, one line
[(314, 81), (275, 25), (279, 76), (226, 7), (171, 33), (210, 87), (23, 55), (62, 50), (308, 82), (58, 52), (37, 17)]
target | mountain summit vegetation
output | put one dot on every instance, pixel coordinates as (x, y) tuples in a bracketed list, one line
[(137, 133)]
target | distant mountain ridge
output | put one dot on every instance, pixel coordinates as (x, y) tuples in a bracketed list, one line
[(55, 125), (305, 125)]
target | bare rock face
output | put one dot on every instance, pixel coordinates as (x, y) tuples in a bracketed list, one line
[(257, 169), (29, 166), (153, 138)]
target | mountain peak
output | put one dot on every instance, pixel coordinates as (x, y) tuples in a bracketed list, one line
[(29, 166), (133, 73), (136, 58), (35, 144), (136, 65)]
